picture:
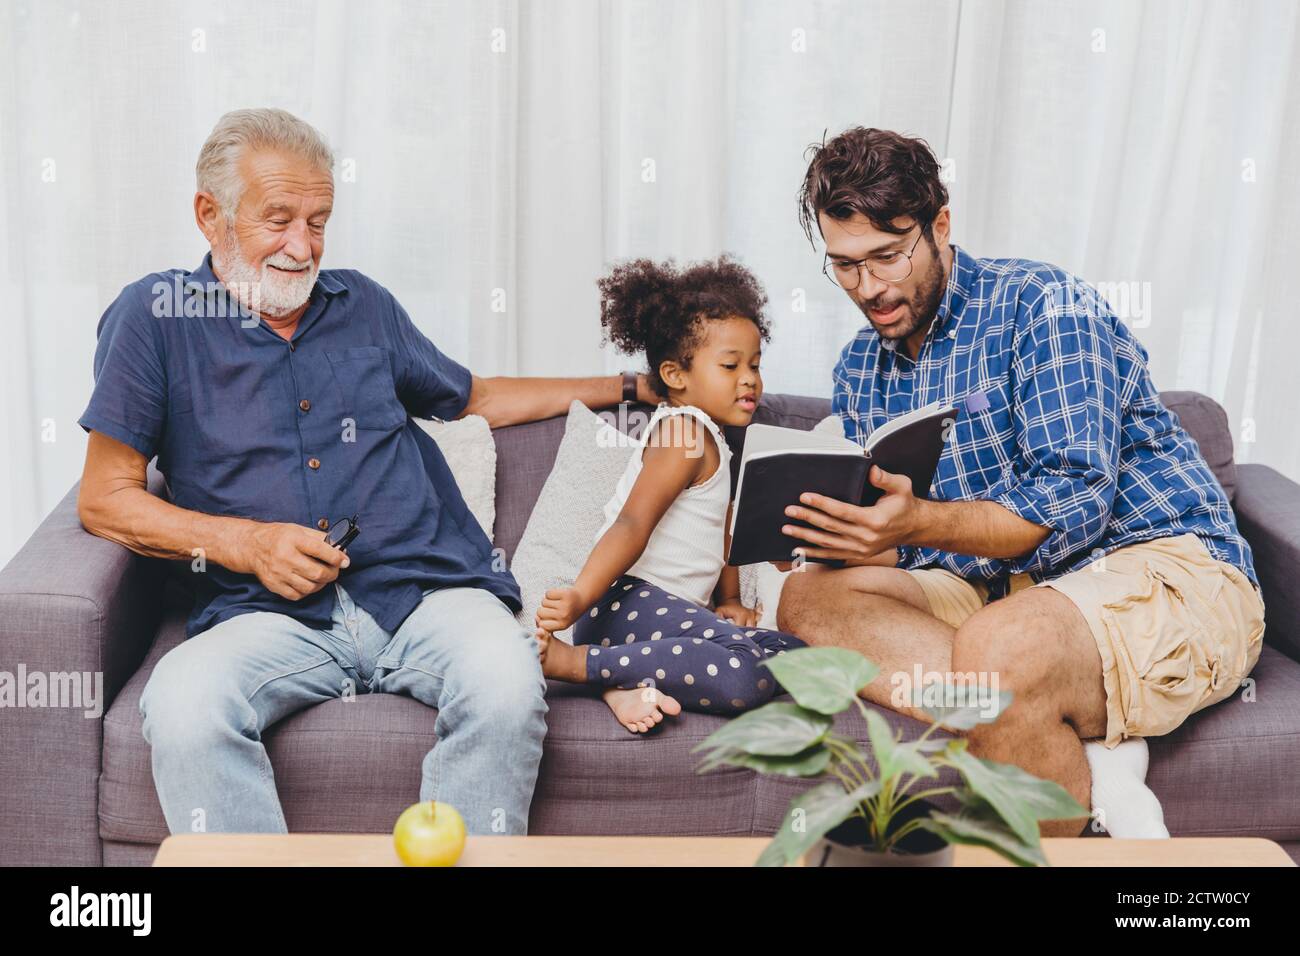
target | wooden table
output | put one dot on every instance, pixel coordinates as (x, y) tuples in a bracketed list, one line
[(307, 849)]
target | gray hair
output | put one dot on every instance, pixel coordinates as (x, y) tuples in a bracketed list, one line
[(217, 170)]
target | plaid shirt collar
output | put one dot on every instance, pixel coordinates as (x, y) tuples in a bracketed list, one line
[(960, 279)]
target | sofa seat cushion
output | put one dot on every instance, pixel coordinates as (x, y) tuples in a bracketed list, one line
[(354, 766), (1233, 769)]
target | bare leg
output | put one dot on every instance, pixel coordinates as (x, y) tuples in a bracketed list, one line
[(880, 612), (1036, 641), (561, 661), (1040, 648)]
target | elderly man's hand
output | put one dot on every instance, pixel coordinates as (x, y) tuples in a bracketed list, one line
[(290, 560), (857, 534)]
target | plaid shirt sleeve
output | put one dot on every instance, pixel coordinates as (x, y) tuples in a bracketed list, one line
[(1067, 423), (841, 389)]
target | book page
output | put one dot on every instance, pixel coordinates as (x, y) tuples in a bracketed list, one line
[(902, 421), (760, 439)]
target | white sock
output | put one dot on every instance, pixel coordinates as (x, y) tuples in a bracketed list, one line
[(769, 583), (1128, 808)]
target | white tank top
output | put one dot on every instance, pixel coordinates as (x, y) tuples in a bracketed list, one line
[(684, 555)]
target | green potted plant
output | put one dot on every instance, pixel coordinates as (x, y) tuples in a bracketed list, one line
[(875, 809)]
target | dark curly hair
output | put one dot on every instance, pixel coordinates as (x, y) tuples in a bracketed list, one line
[(875, 172), (660, 308)]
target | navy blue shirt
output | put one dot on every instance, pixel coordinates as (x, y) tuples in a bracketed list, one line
[(309, 431)]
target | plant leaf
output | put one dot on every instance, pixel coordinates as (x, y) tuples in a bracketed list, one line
[(909, 758), (806, 763), (780, 729), (964, 715), (813, 813), (892, 757), (1018, 797), (979, 825), (824, 679), (881, 737)]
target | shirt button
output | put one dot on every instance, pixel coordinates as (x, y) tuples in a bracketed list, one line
[(305, 405), (323, 524), (313, 463)]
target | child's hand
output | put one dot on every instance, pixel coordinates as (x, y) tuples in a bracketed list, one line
[(560, 608), (736, 613)]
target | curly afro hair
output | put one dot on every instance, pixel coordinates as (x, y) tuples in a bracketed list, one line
[(660, 308)]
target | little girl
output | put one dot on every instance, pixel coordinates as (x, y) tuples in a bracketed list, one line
[(644, 630)]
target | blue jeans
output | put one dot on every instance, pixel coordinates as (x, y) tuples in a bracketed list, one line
[(209, 700)]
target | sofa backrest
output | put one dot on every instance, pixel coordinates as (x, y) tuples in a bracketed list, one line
[(1207, 423), (526, 453)]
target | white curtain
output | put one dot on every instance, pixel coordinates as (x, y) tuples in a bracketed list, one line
[(496, 156)]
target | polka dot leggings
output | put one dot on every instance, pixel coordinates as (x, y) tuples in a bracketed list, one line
[(640, 635)]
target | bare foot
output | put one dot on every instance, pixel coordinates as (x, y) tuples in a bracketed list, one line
[(639, 709)]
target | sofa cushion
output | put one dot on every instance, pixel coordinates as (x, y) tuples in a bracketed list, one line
[(1207, 423), (471, 454), (525, 456), (354, 766), (1234, 768), (569, 511)]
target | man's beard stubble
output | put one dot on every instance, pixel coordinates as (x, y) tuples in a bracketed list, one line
[(922, 305)]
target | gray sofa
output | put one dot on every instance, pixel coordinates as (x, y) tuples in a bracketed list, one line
[(78, 790)]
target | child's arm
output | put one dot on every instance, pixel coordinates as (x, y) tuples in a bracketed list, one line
[(726, 596), (668, 466)]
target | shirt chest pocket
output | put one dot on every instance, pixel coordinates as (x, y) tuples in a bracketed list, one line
[(987, 410), (368, 395)]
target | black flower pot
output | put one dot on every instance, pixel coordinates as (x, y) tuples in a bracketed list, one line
[(849, 844)]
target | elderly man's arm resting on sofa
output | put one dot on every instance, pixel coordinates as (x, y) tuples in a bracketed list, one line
[(114, 502), (503, 400)]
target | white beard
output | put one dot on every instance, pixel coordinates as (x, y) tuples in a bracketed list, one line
[(265, 291)]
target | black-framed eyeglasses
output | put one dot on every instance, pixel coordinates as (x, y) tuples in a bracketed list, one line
[(888, 267), (343, 533)]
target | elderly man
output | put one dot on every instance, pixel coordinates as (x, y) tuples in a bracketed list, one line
[(276, 397), (1075, 546)]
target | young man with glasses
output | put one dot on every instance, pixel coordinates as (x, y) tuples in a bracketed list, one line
[(1074, 545)]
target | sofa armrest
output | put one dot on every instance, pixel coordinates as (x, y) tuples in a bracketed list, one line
[(71, 603), (1268, 514)]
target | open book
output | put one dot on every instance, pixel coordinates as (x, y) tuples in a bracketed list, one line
[(780, 464)]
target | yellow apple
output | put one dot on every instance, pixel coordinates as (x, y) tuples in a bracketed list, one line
[(429, 834)]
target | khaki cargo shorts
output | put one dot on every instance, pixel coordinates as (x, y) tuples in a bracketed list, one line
[(1177, 629)]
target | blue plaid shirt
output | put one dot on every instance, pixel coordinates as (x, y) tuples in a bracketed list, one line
[(1068, 433)]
